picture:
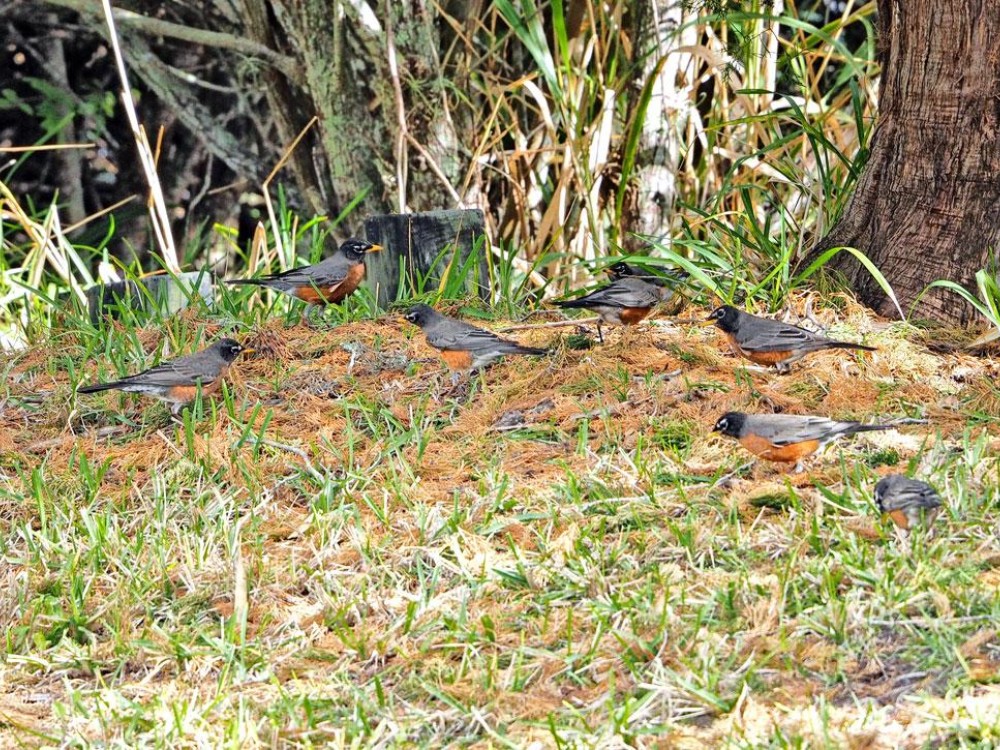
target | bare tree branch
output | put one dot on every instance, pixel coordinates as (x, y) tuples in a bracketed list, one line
[(217, 39)]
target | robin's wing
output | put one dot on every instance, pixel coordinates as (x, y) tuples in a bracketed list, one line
[(454, 334), (201, 367), (788, 429), (908, 494), (627, 292), (762, 335), (323, 274), (667, 279)]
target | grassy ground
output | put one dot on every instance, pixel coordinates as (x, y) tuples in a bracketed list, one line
[(345, 550)]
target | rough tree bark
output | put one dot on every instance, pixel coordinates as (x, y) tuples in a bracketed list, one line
[(924, 208), (366, 107)]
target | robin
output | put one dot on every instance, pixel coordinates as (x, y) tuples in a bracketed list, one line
[(178, 380), (787, 438), (665, 284), (463, 347), (771, 342), (906, 501), (625, 301), (328, 282)]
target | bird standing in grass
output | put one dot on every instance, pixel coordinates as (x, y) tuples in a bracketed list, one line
[(787, 438), (177, 381), (625, 301), (771, 342), (463, 347), (908, 502), (666, 284), (328, 282)]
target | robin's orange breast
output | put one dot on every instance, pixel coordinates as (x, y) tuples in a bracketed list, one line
[(758, 357), (334, 293), (457, 359), (632, 315), (311, 294), (900, 518), (792, 453), (184, 394), (352, 281)]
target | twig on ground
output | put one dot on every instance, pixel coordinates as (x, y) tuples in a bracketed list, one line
[(725, 479), (169, 442), (313, 472), (811, 316), (664, 376), (609, 411), (103, 432), (550, 324), (540, 311)]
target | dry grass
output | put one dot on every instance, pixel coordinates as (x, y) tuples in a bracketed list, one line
[(558, 551)]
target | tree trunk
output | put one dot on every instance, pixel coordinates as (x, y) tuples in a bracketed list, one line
[(385, 130), (335, 67), (924, 206)]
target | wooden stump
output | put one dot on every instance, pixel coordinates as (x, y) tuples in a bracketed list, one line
[(419, 249)]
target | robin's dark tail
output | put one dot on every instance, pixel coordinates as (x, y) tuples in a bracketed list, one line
[(248, 282), (582, 302), (98, 387), (869, 428), (849, 345)]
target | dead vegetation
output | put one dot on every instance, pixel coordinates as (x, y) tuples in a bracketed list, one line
[(561, 540)]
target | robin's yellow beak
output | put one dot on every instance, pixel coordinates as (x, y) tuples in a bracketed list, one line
[(248, 351), (707, 323), (374, 249)]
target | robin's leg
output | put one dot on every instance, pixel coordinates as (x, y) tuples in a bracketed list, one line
[(929, 518), (308, 315), (175, 414), (903, 538), (783, 368), (798, 468), (461, 387), (600, 335)]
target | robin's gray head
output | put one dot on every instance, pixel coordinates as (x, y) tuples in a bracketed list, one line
[(890, 484), (620, 270), (420, 315), (230, 349), (355, 248), (731, 423), (725, 318), (881, 490)]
